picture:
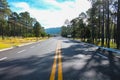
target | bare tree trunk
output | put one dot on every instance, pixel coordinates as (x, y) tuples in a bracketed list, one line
[(102, 42), (2, 32), (99, 23), (108, 26), (92, 24), (118, 26)]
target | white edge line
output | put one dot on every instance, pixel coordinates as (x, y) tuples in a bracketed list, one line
[(6, 49), (102, 56), (3, 58)]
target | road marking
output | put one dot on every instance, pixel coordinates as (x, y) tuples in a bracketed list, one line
[(102, 56), (32, 47), (21, 51), (52, 76), (3, 58), (57, 56), (60, 76)]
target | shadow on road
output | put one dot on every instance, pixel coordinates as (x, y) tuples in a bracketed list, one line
[(31, 68), (80, 62)]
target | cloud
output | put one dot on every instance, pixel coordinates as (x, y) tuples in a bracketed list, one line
[(20, 6), (52, 13)]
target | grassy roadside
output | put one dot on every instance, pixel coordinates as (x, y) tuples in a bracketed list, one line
[(98, 43), (15, 41)]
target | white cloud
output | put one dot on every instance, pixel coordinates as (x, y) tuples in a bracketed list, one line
[(55, 18), (21, 6)]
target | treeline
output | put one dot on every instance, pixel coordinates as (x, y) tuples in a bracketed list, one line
[(100, 24), (13, 24)]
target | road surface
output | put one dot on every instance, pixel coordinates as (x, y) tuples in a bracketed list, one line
[(56, 59)]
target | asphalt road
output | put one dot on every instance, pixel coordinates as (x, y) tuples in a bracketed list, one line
[(56, 59)]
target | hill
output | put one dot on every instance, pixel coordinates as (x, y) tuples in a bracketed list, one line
[(53, 31)]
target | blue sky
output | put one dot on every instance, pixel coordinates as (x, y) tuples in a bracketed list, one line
[(50, 13)]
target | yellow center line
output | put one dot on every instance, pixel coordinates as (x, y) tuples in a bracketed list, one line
[(60, 76), (59, 57), (52, 76)]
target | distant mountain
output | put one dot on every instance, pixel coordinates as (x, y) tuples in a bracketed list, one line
[(53, 31)]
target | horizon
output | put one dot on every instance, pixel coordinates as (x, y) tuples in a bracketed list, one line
[(53, 27)]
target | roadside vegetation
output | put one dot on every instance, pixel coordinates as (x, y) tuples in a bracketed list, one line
[(9, 42), (16, 29), (100, 25)]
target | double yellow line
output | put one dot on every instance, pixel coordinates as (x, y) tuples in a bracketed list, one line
[(59, 57)]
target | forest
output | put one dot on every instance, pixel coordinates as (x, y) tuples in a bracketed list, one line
[(99, 25), (13, 24)]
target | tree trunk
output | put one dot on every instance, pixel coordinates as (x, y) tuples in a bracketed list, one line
[(2, 32), (14, 29), (102, 42), (108, 26), (118, 25), (92, 24), (99, 23)]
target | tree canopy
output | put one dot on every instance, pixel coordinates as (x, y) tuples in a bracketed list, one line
[(99, 25), (14, 24)]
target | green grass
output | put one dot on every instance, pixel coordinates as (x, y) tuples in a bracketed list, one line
[(11, 41)]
